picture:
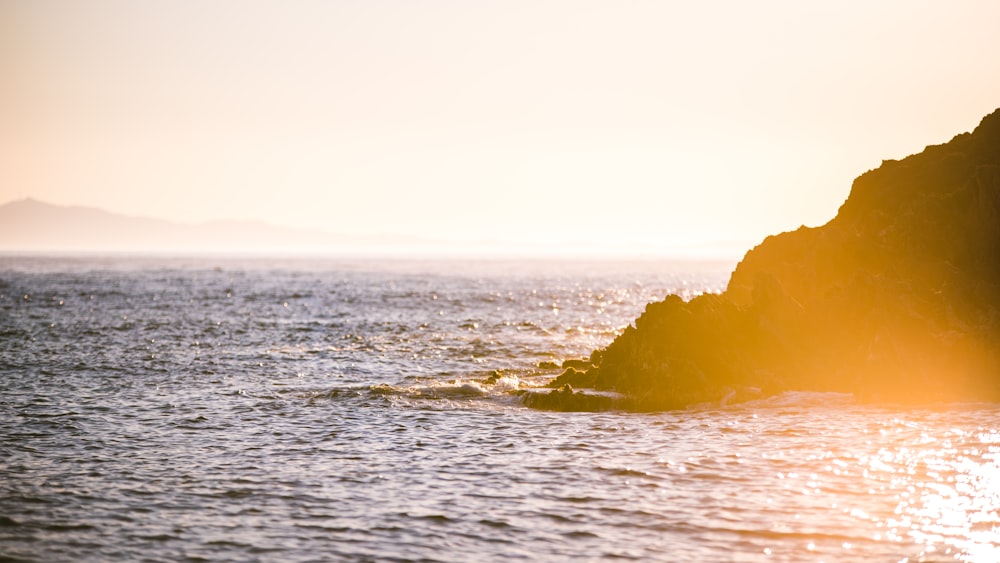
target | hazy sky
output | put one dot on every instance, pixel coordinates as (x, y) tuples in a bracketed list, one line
[(670, 123)]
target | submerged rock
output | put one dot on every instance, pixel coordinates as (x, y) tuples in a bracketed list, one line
[(895, 299), (574, 376), (566, 399)]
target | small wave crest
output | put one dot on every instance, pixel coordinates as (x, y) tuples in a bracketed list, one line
[(494, 387)]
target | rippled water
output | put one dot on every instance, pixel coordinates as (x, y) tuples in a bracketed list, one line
[(200, 409)]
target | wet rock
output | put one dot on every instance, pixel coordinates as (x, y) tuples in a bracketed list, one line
[(566, 399), (580, 364), (575, 377)]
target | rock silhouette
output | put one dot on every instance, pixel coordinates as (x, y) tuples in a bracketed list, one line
[(895, 299)]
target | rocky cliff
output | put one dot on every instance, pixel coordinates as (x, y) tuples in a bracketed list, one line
[(895, 299)]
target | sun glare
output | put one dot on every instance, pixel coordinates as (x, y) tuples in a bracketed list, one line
[(947, 492)]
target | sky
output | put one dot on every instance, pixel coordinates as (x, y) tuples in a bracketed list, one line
[(682, 126)]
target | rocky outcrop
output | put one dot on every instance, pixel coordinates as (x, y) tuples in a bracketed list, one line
[(895, 299)]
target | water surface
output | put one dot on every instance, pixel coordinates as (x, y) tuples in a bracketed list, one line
[(302, 410)]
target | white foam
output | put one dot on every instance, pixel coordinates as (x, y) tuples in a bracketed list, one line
[(506, 384)]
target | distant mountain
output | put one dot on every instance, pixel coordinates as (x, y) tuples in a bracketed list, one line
[(31, 225)]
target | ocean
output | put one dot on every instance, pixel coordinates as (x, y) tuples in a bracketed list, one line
[(252, 409)]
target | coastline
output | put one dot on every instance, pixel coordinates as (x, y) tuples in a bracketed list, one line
[(896, 299)]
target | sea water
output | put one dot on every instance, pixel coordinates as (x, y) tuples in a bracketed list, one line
[(225, 409)]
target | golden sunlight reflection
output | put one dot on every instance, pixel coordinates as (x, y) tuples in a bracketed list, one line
[(885, 485), (943, 494)]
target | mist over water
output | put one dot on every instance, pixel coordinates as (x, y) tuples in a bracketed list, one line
[(301, 410)]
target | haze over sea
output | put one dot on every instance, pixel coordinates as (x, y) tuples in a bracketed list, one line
[(234, 409)]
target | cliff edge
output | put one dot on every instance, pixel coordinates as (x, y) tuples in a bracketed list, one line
[(895, 299)]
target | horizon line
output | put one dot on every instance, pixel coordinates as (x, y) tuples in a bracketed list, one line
[(377, 245)]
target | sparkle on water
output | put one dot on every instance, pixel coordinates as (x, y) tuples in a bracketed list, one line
[(243, 410)]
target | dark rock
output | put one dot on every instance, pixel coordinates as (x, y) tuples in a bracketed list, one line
[(895, 299), (567, 400), (575, 377), (581, 364)]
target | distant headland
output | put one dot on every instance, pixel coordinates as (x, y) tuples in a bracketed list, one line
[(896, 299), (29, 225)]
